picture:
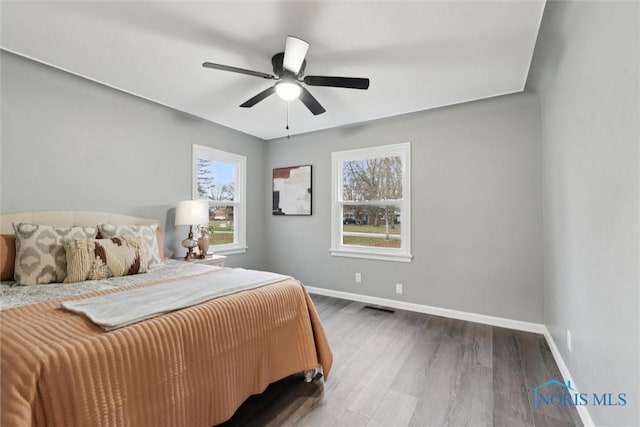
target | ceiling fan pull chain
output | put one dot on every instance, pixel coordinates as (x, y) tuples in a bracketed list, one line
[(287, 127)]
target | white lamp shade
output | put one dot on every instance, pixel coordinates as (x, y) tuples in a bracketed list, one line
[(192, 212)]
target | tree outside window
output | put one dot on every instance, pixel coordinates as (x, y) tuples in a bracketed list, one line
[(371, 203), (219, 179)]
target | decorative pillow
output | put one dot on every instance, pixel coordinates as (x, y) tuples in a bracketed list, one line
[(7, 256), (96, 259), (40, 257), (146, 233), (160, 238)]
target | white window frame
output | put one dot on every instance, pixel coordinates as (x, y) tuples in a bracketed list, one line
[(239, 195), (402, 254)]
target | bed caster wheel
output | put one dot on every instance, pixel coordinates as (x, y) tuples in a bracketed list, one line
[(309, 375)]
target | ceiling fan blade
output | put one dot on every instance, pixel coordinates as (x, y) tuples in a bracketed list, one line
[(259, 97), (294, 52), (237, 70), (347, 82), (310, 102)]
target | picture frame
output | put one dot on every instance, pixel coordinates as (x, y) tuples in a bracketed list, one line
[(292, 191)]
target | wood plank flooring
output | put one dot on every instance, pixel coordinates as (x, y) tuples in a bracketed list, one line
[(413, 369)]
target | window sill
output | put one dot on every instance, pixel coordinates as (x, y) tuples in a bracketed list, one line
[(365, 254), (227, 251)]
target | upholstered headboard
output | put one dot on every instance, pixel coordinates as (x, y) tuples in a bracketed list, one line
[(58, 219), (69, 219)]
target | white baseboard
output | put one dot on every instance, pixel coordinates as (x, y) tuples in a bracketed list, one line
[(436, 311), (566, 375)]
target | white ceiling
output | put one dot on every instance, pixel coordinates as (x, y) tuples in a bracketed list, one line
[(418, 54)]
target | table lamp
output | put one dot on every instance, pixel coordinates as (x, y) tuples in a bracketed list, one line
[(191, 212)]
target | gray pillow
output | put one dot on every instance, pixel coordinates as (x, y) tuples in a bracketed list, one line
[(40, 256)]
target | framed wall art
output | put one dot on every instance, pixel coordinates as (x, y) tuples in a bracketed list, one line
[(292, 190)]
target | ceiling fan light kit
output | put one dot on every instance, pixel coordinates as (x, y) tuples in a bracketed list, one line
[(289, 67), (288, 90)]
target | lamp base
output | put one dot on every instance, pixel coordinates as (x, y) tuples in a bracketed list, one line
[(189, 243), (190, 254)]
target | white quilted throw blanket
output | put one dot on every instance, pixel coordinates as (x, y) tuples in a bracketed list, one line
[(120, 309)]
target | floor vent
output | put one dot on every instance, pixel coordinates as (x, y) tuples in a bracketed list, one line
[(377, 307)]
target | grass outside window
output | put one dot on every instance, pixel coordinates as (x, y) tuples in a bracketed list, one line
[(380, 229), (223, 232), (371, 241)]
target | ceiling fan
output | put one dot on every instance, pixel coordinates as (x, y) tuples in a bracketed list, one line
[(288, 67)]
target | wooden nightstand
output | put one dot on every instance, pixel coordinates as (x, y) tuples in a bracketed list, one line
[(217, 260)]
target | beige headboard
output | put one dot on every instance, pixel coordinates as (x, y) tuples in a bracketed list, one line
[(59, 219), (69, 219)]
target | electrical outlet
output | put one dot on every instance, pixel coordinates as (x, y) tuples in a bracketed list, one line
[(398, 288), (358, 277), (569, 343)]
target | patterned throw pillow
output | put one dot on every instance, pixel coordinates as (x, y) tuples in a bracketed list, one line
[(97, 259), (146, 233), (40, 257)]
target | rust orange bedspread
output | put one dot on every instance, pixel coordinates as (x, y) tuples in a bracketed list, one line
[(192, 367)]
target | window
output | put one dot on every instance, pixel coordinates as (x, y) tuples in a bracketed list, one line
[(219, 177), (371, 211)]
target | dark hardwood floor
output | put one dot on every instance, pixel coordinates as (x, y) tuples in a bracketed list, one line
[(412, 369)]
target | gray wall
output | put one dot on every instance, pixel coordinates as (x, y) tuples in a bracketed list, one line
[(585, 70), (68, 143), (476, 229)]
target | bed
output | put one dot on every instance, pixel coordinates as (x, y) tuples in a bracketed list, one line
[(189, 367)]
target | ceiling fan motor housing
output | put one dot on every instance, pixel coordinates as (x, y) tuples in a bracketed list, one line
[(278, 70)]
